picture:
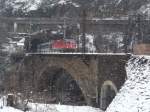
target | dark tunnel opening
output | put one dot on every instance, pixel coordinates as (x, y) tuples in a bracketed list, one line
[(58, 86)]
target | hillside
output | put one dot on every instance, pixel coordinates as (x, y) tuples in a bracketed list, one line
[(71, 8), (134, 95)]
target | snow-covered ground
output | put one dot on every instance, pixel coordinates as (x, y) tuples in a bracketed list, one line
[(34, 107), (9, 109), (61, 108), (135, 94)]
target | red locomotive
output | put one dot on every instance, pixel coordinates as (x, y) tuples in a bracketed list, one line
[(62, 45)]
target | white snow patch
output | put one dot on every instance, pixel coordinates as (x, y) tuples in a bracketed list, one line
[(64, 2), (26, 5), (118, 2), (145, 9), (90, 43), (90, 46), (31, 5), (135, 94), (14, 46), (36, 107), (9, 109), (61, 108)]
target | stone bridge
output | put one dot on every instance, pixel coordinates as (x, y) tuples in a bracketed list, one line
[(99, 76), (29, 25)]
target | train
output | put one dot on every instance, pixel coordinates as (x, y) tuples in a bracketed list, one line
[(59, 45)]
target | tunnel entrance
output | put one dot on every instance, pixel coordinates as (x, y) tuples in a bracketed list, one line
[(60, 87), (108, 92)]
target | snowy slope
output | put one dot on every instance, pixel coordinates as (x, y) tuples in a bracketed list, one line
[(26, 5), (135, 94), (30, 5), (53, 108), (35, 107)]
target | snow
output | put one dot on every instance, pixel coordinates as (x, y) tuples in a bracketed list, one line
[(109, 18), (77, 53), (145, 10), (62, 108), (135, 94), (36, 107), (21, 42), (10, 48), (118, 2), (9, 109), (31, 5), (54, 32), (15, 44), (115, 37), (113, 42), (3, 107), (75, 4), (90, 45), (64, 2), (26, 5)]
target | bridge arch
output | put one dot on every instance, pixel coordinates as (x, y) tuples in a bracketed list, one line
[(108, 92), (81, 72), (61, 86)]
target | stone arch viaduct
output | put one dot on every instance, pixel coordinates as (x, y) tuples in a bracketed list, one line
[(99, 76)]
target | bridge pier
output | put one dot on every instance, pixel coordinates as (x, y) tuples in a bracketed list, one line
[(108, 92)]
